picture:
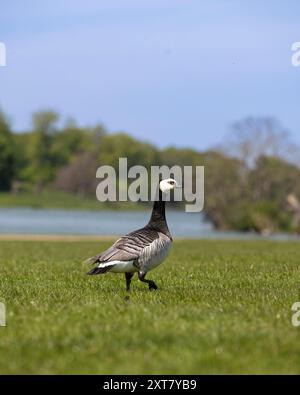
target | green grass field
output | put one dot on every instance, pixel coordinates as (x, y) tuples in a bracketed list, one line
[(222, 307)]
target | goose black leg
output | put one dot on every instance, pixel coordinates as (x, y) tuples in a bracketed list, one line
[(128, 277), (151, 283)]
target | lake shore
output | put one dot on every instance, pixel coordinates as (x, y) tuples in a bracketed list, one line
[(46, 237), (49, 199)]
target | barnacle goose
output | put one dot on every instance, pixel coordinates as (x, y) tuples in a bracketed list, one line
[(142, 250)]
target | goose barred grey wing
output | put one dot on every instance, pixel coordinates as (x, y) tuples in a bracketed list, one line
[(127, 248)]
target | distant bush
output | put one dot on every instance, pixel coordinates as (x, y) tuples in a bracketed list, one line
[(7, 155)]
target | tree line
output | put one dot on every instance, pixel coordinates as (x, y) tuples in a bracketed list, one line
[(251, 179)]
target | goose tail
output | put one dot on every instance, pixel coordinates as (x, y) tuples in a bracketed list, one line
[(100, 270), (92, 260)]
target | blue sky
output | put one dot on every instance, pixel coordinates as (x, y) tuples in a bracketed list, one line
[(173, 72)]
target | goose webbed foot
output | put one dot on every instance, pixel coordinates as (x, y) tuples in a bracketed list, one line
[(150, 283)]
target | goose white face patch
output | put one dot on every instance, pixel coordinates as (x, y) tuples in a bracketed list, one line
[(167, 185)]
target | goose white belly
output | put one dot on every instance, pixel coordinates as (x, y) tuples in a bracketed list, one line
[(120, 266)]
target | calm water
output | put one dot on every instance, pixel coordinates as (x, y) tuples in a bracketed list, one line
[(40, 221), (65, 222)]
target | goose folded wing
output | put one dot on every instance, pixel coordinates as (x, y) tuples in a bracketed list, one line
[(127, 248)]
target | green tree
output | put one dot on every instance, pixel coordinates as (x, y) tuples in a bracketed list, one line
[(226, 191), (118, 145), (7, 155), (73, 140), (41, 169)]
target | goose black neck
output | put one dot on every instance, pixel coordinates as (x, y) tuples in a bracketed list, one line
[(158, 216)]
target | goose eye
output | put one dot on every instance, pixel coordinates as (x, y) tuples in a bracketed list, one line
[(171, 182)]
